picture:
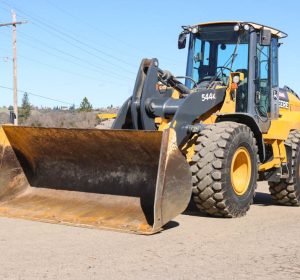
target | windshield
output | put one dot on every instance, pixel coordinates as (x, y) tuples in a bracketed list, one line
[(215, 52)]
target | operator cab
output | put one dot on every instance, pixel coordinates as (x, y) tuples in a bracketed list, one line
[(218, 49)]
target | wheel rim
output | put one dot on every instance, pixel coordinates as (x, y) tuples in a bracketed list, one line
[(240, 173)]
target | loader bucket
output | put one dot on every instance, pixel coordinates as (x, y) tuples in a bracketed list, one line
[(123, 180)]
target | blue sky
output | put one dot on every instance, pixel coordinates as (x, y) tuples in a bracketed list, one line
[(70, 49)]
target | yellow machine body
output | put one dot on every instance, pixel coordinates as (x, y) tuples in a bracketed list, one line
[(129, 178), (278, 131)]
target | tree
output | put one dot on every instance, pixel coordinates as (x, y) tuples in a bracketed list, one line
[(85, 105), (26, 107), (72, 108)]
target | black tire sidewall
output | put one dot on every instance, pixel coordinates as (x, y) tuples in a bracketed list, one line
[(243, 139)]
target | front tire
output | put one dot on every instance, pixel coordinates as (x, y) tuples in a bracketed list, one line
[(224, 169)]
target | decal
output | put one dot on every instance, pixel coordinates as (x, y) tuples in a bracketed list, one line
[(282, 94), (283, 104), (208, 96)]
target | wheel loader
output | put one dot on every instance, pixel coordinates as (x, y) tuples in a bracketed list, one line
[(209, 135)]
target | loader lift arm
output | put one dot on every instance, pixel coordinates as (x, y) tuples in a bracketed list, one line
[(146, 103)]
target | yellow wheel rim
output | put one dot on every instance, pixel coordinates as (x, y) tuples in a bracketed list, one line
[(240, 172)]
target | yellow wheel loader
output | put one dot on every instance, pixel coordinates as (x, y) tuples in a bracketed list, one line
[(210, 136)]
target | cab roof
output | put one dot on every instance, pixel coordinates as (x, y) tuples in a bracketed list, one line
[(257, 26)]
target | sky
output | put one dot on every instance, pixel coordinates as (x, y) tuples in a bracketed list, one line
[(71, 49)]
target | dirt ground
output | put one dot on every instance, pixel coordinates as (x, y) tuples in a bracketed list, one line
[(263, 245)]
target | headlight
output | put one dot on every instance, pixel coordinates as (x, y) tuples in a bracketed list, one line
[(246, 27), (195, 29), (236, 27)]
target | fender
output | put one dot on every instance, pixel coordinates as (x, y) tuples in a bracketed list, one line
[(248, 120)]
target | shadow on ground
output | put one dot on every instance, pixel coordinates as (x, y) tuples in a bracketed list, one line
[(192, 210), (263, 199), (170, 225)]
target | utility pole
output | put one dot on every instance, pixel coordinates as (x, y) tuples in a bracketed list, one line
[(14, 24), (15, 84)]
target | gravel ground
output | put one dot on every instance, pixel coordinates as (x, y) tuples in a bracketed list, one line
[(263, 245)]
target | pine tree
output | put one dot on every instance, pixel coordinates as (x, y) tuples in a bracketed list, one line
[(85, 105), (26, 107)]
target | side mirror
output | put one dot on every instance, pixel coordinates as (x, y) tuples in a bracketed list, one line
[(182, 40), (265, 37)]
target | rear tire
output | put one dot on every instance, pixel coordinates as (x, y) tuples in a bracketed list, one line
[(288, 192), (215, 190)]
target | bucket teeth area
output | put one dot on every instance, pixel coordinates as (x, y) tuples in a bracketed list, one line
[(79, 209)]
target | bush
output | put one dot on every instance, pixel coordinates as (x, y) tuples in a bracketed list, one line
[(63, 119)]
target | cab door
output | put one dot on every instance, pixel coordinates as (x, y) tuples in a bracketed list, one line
[(263, 82), (267, 86), (274, 79)]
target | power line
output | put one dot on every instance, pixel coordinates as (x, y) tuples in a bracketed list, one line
[(90, 68), (58, 68), (63, 35), (68, 71), (38, 95), (101, 30), (88, 24)]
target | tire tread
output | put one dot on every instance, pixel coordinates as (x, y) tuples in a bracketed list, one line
[(207, 168)]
